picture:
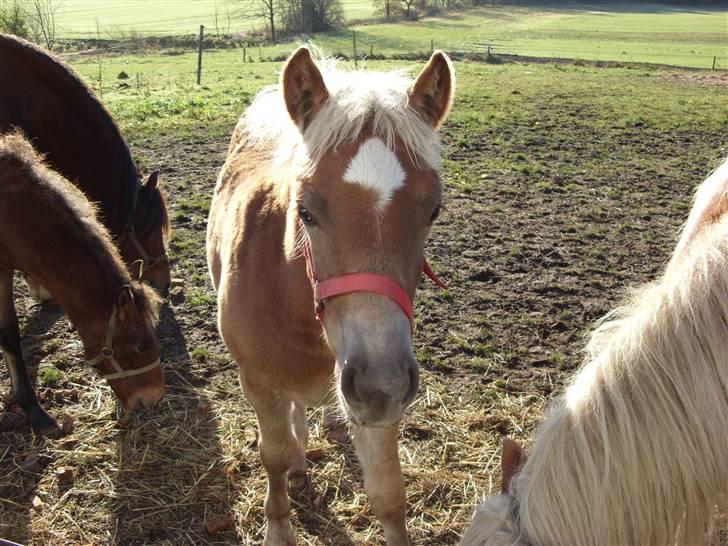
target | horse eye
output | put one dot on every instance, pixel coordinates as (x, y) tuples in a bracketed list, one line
[(305, 215), (435, 214)]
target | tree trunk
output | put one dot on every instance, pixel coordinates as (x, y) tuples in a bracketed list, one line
[(271, 17)]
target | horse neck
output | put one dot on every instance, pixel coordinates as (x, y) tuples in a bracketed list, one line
[(644, 423), (77, 135), (69, 259)]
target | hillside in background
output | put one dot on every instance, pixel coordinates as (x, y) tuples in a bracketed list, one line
[(608, 31)]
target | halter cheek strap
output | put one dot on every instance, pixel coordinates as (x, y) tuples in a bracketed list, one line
[(107, 353), (361, 282), (129, 233)]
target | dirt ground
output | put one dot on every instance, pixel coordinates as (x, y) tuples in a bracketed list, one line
[(531, 261)]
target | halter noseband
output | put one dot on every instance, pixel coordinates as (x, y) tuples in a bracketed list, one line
[(129, 232), (361, 282), (107, 353)]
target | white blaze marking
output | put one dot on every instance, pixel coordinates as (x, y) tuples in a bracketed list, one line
[(375, 166)]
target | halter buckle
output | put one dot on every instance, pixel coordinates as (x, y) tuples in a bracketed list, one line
[(128, 229), (107, 352)]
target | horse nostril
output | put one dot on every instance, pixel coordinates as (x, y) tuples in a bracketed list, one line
[(413, 374), (348, 387)]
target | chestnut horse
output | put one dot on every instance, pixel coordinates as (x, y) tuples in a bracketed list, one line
[(331, 180), (50, 231), (65, 122), (636, 450)]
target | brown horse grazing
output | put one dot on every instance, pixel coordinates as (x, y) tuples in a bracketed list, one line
[(65, 121), (50, 231), (330, 180)]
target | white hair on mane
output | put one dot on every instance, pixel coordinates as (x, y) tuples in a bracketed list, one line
[(357, 100), (636, 450)]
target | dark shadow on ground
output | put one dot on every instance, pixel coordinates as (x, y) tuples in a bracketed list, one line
[(171, 472), (24, 457)]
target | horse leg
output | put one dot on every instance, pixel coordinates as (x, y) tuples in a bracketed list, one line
[(297, 471), (377, 451), (277, 446), (23, 391), (36, 290)]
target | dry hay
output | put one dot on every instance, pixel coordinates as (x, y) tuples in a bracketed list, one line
[(156, 477)]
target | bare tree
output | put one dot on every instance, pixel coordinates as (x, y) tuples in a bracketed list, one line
[(390, 8), (222, 22), (408, 5), (42, 21), (265, 9)]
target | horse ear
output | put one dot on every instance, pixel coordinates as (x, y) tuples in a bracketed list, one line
[(152, 181), (431, 95), (304, 89), (124, 299), (136, 269), (511, 458)]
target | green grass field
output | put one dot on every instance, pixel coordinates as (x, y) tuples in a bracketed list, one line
[(564, 185), (629, 32), (116, 18)]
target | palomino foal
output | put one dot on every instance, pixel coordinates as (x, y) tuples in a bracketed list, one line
[(50, 231), (330, 180)]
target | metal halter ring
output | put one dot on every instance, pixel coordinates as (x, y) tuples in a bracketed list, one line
[(107, 353)]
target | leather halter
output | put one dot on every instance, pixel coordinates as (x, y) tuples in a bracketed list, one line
[(107, 353), (129, 232), (361, 282)]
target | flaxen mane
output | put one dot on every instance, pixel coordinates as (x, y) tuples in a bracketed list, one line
[(358, 100), (54, 196), (635, 452)]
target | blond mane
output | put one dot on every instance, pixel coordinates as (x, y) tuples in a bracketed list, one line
[(635, 451), (357, 100)]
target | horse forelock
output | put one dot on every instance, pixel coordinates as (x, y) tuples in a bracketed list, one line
[(359, 101)]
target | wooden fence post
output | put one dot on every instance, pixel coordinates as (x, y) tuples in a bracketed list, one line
[(432, 47), (199, 56), (353, 37), (245, 48), (714, 58)]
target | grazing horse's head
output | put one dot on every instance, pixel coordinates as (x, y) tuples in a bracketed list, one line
[(366, 196), (145, 232), (125, 349)]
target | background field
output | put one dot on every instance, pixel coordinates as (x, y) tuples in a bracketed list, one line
[(78, 18), (627, 32), (565, 185)]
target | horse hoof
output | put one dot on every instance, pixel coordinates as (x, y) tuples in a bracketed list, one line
[(337, 434), (279, 534), (47, 427)]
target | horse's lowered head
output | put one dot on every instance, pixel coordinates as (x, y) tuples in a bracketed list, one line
[(124, 350), (363, 205), (145, 232)]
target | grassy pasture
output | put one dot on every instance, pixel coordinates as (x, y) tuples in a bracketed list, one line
[(628, 32), (564, 186), (78, 18)]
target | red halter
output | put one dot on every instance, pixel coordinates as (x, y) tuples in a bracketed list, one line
[(361, 282)]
